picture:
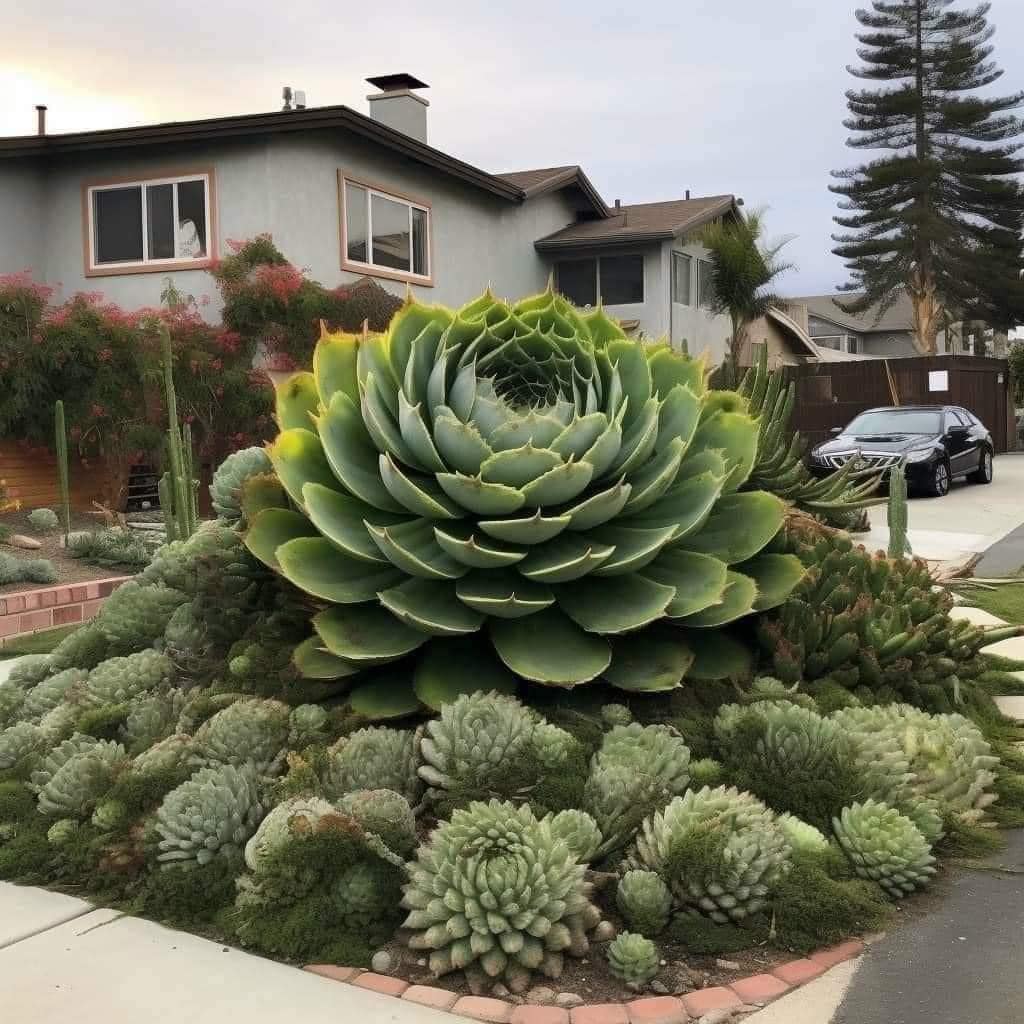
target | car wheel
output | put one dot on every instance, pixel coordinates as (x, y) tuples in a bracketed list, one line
[(983, 474), (938, 483)]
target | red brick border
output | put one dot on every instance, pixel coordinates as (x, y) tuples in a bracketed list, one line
[(756, 989), (33, 611)]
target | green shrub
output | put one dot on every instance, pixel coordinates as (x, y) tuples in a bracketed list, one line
[(43, 520), (704, 937), (26, 570), (113, 548)]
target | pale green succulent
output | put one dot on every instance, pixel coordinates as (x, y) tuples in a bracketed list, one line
[(153, 717), (136, 615), (705, 772), (296, 816), (201, 706), (48, 693), (771, 689), (122, 679), (885, 847), (802, 838), (29, 670), (19, 746), (720, 851), (61, 832), (374, 758), (616, 714), (74, 789), (644, 900), (525, 478), (211, 815), (364, 894), (492, 888), (11, 700), (230, 478), (166, 754), (308, 724), (636, 770), (85, 648), (383, 813), (57, 757), (633, 959), (253, 732), (580, 833), (110, 815), (59, 722)]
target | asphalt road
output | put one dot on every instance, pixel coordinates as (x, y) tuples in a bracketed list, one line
[(961, 963)]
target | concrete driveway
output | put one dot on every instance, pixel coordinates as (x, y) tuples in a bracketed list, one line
[(967, 521)]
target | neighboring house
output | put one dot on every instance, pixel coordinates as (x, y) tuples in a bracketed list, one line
[(888, 335), (345, 195)]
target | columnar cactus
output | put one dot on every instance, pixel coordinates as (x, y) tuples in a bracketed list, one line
[(523, 472), (645, 901), (633, 959), (210, 815), (720, 851), (374, 758), (885, 847), (249, 732), (492, 888)]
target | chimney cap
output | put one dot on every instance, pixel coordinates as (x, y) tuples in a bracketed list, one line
[(386, 83)]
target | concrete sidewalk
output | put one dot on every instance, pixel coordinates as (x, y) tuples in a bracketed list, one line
[(65, 962)]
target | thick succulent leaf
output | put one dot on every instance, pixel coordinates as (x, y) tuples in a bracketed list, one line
[(480, 496), (739, 526), (366, 634), (735, 434), (421, 363), (475, 549), (273, 527), (413, 334), (503, 594), (737, 600), (260, 492), (431, 607), (579, 436), (451, 668), (413, 548), (619, 604), (314, 661), (418, 494), (351, 455), (535, 529), (549, 648), (670, 368), (298, 459), (316, 566), (296, 401), (698, 463), (655, 477), (775, 576), (635, 545), (650, 661), (515, 467), (342, 520), (388, 695), (416, 435), (334, 365), (699, 580), (599, 508), (382, 425), (679, 416), (717, 655), (374, 359), (567, 557), (630, 360), (558, 485), (638, 441), (603, 328), (460, 444), (605, 450), (534, 427)]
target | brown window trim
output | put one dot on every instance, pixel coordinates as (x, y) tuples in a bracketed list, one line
[(123, 270), (368, 269)]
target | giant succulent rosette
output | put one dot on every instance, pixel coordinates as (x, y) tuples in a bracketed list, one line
[(526, 485)]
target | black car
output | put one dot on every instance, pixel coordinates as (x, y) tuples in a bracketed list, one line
[(936, 443)]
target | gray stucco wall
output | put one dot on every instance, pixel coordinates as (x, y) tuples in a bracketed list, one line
[(698, 326), (891, 344), (286, 185)]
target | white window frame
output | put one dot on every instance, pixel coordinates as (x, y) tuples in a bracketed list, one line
[(146, 264), (377, 269), (692, 262)]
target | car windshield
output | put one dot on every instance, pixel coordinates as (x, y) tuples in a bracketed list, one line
[(895, 421)]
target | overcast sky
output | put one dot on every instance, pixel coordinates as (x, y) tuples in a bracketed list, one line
[(651, 98)]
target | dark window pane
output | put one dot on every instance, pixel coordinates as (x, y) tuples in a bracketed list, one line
[(160, 216), (420, 242), (191, 220), (390, 234), (117, 224), (682, 267), (356, 223), (622, 279), (577, 281), (705, 284)]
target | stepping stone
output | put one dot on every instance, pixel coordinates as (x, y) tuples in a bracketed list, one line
[(19, 540), (1010, 648), (1012, 707), (975, 616)]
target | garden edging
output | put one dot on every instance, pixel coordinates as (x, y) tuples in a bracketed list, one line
[(754, 990), (34, 611)]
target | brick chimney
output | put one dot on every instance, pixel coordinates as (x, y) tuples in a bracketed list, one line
[(398, 107)]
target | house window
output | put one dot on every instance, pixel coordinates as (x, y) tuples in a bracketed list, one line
[(149, 224), (384, 232), (616, 280), (682, 275), (705, 284)]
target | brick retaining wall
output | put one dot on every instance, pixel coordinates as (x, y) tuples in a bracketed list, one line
[(63, 604)]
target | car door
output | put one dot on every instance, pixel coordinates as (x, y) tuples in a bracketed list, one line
[(962, 450)]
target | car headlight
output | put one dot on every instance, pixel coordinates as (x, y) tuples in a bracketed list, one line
[(920, 455)]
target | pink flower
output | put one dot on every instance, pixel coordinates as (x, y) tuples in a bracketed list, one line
[(105, 355)]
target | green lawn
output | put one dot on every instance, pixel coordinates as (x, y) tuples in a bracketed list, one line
[(1006, 601), (35, 643)]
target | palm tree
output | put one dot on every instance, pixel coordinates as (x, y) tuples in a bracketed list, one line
[(743, 269)]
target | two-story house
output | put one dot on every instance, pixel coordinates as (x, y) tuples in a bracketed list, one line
[(345, 195)]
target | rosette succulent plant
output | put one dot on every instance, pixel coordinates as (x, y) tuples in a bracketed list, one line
[(579, 832), (249, 732), (136, 615), (720, 851), (119, 680), (885, 846), (525, 473), (633, 959), (645, 901), (48, 693), (18, 746), (803, 838), (374, 758), (231, 475), (153, 717), (293, 817), (210, 815), (73, 790), (53, 761), (385, 814), (493, 889)]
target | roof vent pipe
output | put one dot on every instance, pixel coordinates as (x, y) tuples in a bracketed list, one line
[(618, 205), (40, 119), (687, 193)]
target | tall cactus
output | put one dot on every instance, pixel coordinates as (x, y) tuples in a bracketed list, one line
[(177, 487), (899, 545), (61, 437)]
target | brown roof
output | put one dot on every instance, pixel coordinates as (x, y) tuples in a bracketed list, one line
[(898, 317), (641, 222), (540, 180)]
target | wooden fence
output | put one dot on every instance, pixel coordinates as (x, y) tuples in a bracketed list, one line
[(831, 394), (29, 473)]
